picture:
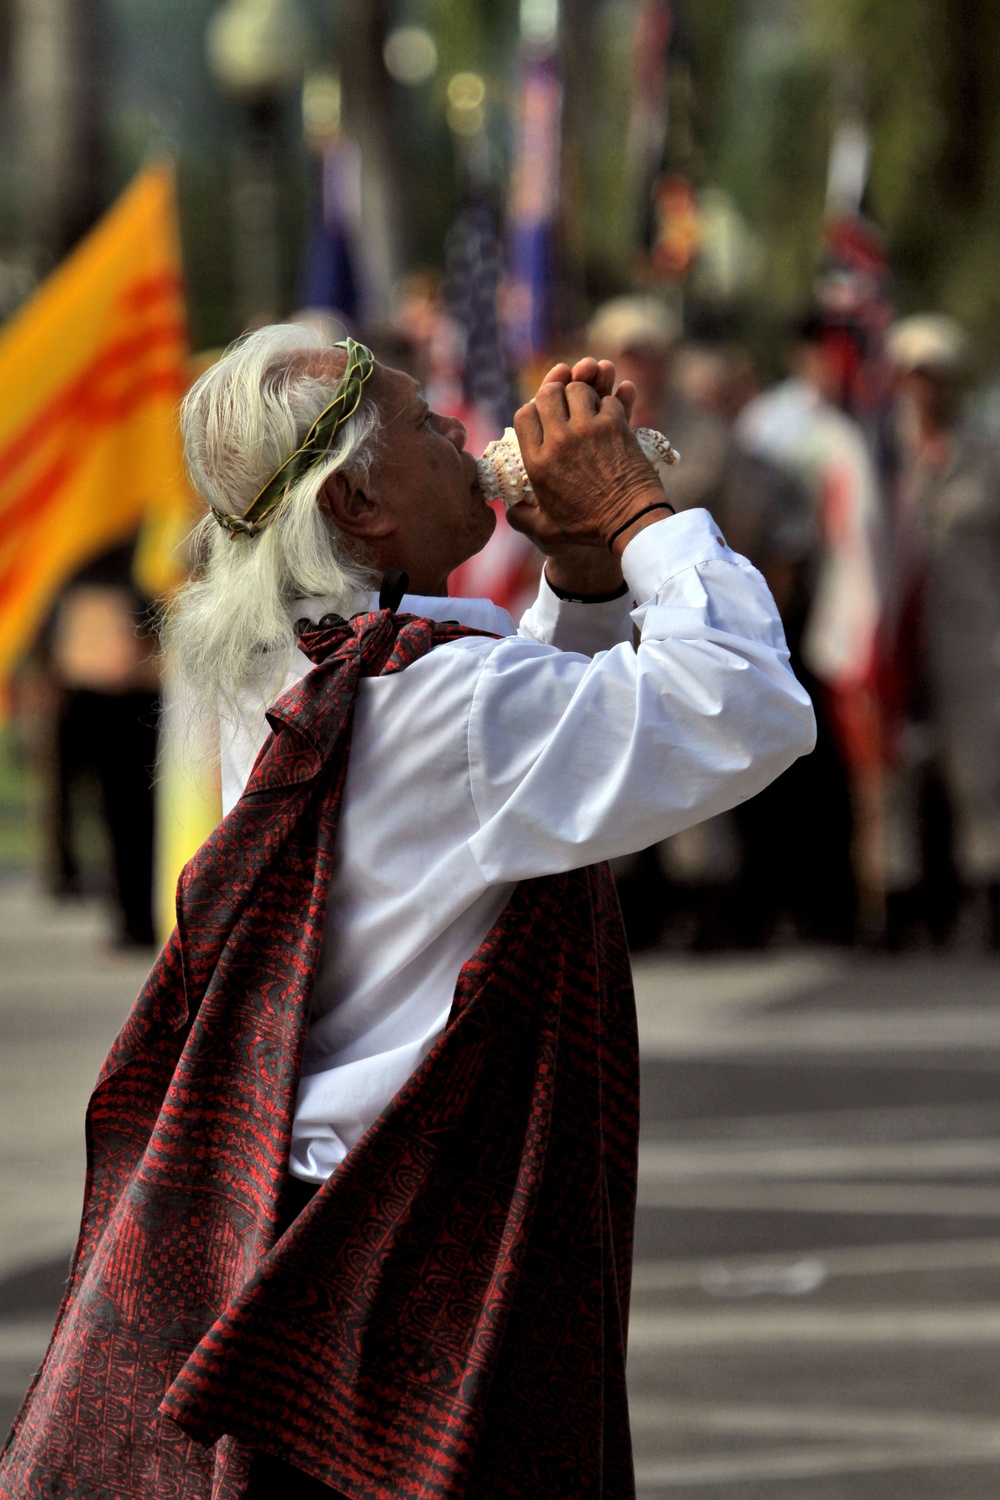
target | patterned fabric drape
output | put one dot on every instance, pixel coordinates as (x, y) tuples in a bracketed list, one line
[(446, 1318)]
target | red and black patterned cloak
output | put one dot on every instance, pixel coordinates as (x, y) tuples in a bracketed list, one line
[(447, 1316)]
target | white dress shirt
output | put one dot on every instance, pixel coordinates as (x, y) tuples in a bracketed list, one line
[(490, 761)]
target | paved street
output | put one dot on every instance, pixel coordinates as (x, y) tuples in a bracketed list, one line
[(816, 1309)]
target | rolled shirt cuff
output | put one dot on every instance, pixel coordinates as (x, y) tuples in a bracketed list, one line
[(658, 552), (572, 625)]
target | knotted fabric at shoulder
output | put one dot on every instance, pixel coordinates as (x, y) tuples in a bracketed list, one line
[(368, 645)]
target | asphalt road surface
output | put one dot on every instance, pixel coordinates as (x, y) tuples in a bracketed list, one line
[(816, 1305)]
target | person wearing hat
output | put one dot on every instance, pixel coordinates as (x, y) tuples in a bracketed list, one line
[(944, 813), (685, 878), (809, 843), (362, 1161)]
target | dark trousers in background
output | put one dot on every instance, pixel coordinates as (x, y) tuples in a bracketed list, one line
[(795, 867), (796, 837), (114, 736)]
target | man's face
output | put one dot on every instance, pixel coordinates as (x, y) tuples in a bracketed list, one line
[(425, 483), (931, 394)]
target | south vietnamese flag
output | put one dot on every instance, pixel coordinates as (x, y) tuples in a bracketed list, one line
[(91, 371)]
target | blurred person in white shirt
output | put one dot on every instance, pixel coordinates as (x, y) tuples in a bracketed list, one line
[(943, 825)]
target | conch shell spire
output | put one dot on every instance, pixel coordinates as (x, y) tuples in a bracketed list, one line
[(501, 469)]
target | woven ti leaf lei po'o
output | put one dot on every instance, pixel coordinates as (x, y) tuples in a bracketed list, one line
[(317, 442)]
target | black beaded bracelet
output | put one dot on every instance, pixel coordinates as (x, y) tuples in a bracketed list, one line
[(571, 598), (660, 505)]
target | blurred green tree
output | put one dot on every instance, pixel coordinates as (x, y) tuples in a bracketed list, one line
[(932, 94), (927, 79)]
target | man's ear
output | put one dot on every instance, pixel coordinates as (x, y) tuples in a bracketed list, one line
[(353, 510)]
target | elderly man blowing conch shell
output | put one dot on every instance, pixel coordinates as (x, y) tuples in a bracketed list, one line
[(361, 1163)]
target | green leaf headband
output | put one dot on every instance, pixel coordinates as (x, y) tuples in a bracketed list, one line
[(315, 445)]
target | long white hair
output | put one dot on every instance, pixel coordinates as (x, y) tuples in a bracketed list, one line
[(228, 629)]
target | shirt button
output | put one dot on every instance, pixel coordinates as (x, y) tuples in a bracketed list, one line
[(720, 541)]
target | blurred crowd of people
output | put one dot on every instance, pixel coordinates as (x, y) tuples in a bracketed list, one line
[(866, 489), (877, 527)]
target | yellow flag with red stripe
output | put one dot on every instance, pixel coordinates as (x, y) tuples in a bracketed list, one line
[(91, 371)]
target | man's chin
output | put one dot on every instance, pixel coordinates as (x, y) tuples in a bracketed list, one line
[(480, 533), (486, 513)]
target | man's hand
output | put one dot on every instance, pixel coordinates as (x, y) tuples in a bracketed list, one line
[(588, 474)]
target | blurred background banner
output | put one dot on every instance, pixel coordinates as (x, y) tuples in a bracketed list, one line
[(331, 269), (533, 208), (188, 799), (91, 370)]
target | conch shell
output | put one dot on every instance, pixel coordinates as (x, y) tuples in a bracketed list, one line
[(501, 469)]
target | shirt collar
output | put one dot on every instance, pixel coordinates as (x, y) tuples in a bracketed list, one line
[(476, 614)]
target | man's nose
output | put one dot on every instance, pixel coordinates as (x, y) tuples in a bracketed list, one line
[(456, 433)]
